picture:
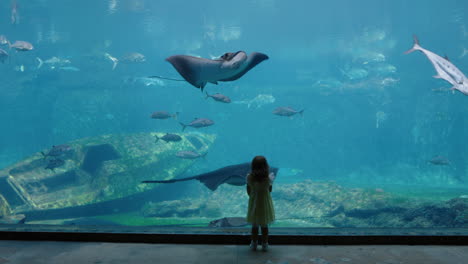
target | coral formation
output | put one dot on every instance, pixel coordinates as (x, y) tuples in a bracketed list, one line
[(97, 169)]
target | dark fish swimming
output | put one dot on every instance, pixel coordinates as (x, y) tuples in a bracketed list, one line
[(286, 111), (439, 160), (54, 163), (20, 45), (198, 123), (190, 155), (219, 97), (233, 175), (57, 150), (163, 115), (229, 222), (3, 56), (229, 67), (169, 138)]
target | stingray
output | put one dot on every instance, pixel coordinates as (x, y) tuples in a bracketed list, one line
[(233, 175), (229, 67)]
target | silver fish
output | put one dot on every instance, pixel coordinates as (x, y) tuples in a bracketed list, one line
[(53, 62), (3, 40), (69, 68), (20, 45), (190, 155), (129, 58), (355, 73), (229, 222), (133, 57), (444, 68), (439, 160)]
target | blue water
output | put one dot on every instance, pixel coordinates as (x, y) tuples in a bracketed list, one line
[(324, 58)]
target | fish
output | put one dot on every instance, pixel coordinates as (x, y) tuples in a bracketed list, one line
[(53, 62), (389, 81), (114, 60), (229, 222), (169, 138), (133, 57), (14, 13), (286, 111), (367, 57), (440, 90), (198, 123), (355, 73), (233, 175), (146, 81), (229, 67), (163, 115), (3, 40), (444, 68), (190, 155), (57, 150), (20, 45), (439, 160), (384, 69), (258, 101), (464, 52), (54, 163), (219, 97), (3, 56), (69, 69), (19, 68)]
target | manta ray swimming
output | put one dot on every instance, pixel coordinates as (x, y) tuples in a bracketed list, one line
[(233, 175), (229, 67)]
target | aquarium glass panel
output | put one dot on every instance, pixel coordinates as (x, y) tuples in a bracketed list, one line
[(149, 113)]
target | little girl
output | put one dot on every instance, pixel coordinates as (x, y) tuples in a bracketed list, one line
[(261, 211)]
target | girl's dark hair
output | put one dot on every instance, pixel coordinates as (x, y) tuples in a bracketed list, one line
[(260, 168)]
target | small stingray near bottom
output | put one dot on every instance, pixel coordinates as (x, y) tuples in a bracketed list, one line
[(233, 175), (229, 222)]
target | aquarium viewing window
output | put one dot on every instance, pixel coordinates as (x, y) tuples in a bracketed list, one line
[(140, 122)]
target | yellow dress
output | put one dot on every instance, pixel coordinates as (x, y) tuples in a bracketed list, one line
[(261, 210)]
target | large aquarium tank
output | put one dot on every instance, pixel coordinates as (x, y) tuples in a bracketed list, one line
[(148, 113)]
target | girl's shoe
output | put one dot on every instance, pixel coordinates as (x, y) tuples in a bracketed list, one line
[(253, 245), (265, 247)]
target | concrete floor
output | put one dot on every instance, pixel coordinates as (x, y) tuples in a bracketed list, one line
[(100, 253)]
